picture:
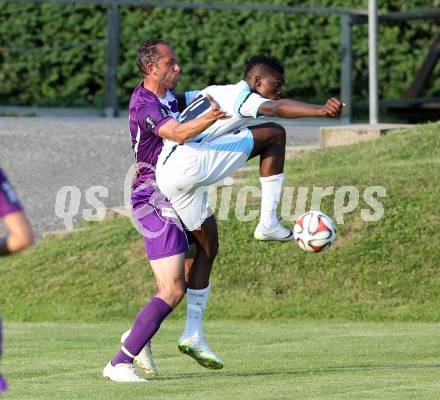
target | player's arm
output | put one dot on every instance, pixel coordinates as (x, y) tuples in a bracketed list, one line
[(286, 108), (181, 132), (19, 233)]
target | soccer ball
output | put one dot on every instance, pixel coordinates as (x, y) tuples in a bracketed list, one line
[(314, 231)]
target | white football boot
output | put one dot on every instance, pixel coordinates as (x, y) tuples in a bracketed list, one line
[(197, 348), (121, 373), (144, 359), (279, 233)]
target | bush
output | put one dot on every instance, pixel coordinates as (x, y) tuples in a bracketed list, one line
[(56, 53)]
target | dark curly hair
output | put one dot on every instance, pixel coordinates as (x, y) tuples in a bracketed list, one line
[(147, 53), (265, 60)]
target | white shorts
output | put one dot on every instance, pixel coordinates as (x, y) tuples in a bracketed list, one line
[(184, 172)]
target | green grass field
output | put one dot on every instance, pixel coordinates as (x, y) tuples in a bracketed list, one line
[(360, 321), (385, 270), (264, 360)]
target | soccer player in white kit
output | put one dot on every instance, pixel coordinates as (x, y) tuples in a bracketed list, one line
[(184, 171), (224, 147)]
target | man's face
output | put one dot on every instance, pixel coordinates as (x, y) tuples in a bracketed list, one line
[(166, 68), (270, 86)]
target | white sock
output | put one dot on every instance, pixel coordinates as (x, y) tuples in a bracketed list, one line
[(197, 299), (271, 188)]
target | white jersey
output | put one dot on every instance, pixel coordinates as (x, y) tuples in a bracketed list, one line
[(237, 100), (190, 96), (212, 155)]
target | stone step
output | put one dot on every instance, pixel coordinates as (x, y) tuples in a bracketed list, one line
[(334, 136)]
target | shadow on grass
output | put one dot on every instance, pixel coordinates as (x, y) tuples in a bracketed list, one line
[(303, 371)]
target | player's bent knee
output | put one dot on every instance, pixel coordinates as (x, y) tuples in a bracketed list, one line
[(279, 134), (179, 294), (172, 295), (211, 251), (269, 133)]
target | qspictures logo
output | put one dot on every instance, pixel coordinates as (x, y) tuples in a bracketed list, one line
[(244, 206)]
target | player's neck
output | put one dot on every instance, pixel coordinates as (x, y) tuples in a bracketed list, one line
[(155, 87)]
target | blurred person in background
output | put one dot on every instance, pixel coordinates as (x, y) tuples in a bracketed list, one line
[(18, 236)]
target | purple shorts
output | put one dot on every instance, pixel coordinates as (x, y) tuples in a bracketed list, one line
[(164, 234), (9, 202)]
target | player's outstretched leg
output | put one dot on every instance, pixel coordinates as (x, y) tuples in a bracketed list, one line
[(192, 341), (270, 145), (170, 280)]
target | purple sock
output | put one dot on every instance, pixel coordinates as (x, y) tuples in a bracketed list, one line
[(3, 385), (146, 324), (1, 337)]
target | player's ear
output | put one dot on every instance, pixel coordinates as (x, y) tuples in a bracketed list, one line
[(257, 80), (150, 69)]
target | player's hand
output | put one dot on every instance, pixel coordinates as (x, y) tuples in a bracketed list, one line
[(332, 108), (216, 112)]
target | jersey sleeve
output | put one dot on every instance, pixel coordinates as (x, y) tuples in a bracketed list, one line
[(9, 202), (190, 96), (250, 104), (153, 116)]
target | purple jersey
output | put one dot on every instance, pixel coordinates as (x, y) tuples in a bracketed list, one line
[(163, 233), (147, 113), (9, 202)]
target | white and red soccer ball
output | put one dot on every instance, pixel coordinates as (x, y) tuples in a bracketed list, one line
[(314, 231)]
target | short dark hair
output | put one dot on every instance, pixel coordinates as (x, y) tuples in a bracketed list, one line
[(265, 60), (147, 53)]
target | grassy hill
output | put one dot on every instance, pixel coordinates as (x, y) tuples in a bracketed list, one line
[(384, 270)]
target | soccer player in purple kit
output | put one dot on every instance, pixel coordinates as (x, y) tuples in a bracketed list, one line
[(153, 115), (218, 152), (19, 234)]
